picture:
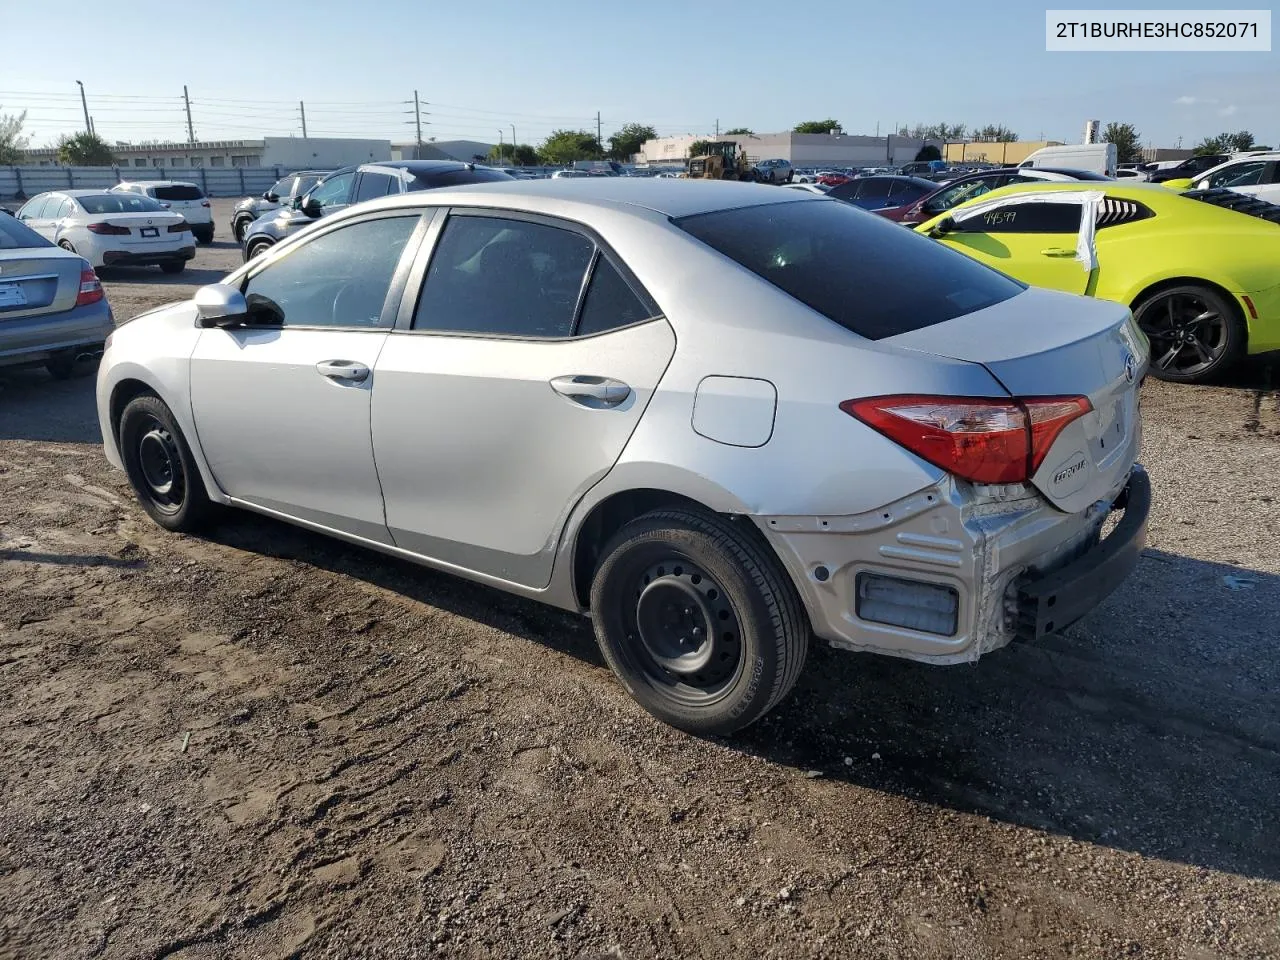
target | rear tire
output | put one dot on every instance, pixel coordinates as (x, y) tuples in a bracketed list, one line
[(698, 620), (1196, 333), (173, 266), (62, 366), (204, 235), (160, 466)]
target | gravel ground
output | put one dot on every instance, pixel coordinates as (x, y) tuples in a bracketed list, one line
[(265, 744)]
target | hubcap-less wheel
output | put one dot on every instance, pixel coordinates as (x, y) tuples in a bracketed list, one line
[(161, 466), (1188, 334), (684, 632)]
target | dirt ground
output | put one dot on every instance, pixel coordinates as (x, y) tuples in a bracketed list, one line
[(266, 744)]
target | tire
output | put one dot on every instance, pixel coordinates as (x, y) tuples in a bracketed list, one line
[(1196, 333), (258, 248), (62, 366), (66, 245), (173, 266), (204, 235), (160, 466), (238, 229), (754, 631)]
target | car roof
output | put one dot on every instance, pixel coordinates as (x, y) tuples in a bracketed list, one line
[(1125, 189), (82, 192), (666, 197), (159, 183)]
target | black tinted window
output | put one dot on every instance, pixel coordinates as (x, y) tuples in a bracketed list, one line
[(454, 178), (119, 203), (846, 191), (873, 187), (15, 235), (374, 185), (178, 192), (491, 275), (339, 279), (864, 272), (610, 302), (1030, 217)]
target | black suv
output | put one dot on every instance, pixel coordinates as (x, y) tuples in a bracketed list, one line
[(351, 185)]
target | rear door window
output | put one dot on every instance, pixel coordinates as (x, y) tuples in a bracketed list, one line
[(34, 209), (865, 273), (497, 276)]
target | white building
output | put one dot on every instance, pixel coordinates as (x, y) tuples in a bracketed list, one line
[(468, 151), (289, 152), (802, 149)]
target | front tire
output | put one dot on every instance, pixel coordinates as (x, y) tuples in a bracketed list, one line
[(698, 621), (1195, 332), (259, 247), (160, 466), (238, 230)]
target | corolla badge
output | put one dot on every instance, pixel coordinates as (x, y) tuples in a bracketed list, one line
[(1130, 367)]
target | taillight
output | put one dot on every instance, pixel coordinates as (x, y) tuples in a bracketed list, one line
[(981, 439), (179, 227), (90, 288), (108, 230)]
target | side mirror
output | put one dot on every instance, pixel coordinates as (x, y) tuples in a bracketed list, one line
[(220, 305), (270, 197), (943, 227), (311, 207)]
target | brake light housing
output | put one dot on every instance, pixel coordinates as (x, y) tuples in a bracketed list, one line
[(182, 227), (107, 230), (980, 439), (90, 288)]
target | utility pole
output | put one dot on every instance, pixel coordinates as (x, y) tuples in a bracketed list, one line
[(191, 131), (599, 132), (302, 110), (500, 145), (417, 120), (88, 124), (513, 143)]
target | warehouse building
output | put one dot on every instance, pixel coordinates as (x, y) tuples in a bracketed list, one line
[(802, 149)]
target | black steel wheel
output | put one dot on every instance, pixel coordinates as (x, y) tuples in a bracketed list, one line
[(698, 621), (1195, 333), (160, 466)]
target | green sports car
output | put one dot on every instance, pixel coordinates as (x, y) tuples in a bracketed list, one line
[(1200, 270)]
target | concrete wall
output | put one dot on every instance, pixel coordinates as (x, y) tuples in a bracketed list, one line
[(23, 183), (322, 152)]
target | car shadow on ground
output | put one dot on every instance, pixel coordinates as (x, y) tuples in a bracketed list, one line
[(35, 406), (154, 275), (1152, 726)]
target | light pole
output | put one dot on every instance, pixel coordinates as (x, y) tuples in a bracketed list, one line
[(88, 127), (513, 143), (499, 144)]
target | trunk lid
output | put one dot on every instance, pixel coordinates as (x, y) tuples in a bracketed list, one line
[(1043, 343), (146, 229), (37, 281)]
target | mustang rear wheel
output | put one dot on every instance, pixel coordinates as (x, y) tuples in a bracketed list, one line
[(1195, 332), (160, 466), (698, 621)]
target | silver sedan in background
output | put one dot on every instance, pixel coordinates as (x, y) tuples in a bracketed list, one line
[(716, 417)]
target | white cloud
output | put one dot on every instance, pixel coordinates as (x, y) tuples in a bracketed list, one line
[(1192, 101), (1228, 110)]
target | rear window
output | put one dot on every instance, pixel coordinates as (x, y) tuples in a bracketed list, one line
[(455, 178), (15, 235), (178, 192), (868, 274), (119, 203)]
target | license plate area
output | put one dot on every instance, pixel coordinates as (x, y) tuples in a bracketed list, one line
[(12, 295), (149, 232)]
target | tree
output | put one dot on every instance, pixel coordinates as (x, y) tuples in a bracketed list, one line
[(1127, 140), (935, 131), (818, 126), (84, 150), (1226, 142), (626, 143), (11, 139), (740, 132), (566, 146), (522, 155), (995, 134), (929, 152), (699, 147)]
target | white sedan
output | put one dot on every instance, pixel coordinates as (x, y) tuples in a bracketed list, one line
[(112, 229)]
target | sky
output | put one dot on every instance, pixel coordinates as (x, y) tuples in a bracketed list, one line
[(482, 67)]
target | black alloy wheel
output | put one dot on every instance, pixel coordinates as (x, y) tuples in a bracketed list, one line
[(1194, 333)]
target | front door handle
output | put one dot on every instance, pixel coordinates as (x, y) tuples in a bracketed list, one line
[(1057, 252), (345, 370), (595, 392)]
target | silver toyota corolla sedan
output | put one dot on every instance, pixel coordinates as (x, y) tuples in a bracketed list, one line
[(716, 417)]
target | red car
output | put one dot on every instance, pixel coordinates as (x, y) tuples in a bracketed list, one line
[(833, 179)]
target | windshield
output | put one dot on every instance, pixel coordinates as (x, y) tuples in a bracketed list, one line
[(15, 235), (860, 270), (119, 203)]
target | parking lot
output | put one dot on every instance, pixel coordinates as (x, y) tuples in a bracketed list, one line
[(265, 743)]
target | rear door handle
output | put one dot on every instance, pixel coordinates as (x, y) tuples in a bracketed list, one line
[(345, 370), (591, 391), (1057, 252)]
